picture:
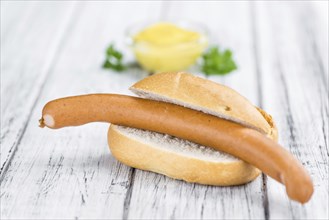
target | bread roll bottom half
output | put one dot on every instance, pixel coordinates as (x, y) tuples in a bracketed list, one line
[(177, 158)]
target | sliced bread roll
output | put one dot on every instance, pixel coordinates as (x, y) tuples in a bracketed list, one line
[(181, 159)]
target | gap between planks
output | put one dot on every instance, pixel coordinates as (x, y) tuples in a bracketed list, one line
[(260, 95)]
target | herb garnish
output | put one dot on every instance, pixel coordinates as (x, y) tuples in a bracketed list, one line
[(216, 62), (113, 59)]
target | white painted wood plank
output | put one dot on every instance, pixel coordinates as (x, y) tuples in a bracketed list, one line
[(158, 197), (70, 173), (30, 41), (296, 92), (12, 13), (319, 22)]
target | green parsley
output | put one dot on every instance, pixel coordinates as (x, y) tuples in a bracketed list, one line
[(216, 62), (113, 59)]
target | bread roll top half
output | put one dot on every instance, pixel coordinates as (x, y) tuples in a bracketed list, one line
[(207, 96)]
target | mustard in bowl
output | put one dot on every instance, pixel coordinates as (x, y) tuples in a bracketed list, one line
[(166, 46)]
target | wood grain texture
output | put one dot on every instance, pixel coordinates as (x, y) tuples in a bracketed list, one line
[(296, 93), (281, 52), (26, 60)]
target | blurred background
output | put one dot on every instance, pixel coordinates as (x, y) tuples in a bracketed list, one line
[(42, 37)]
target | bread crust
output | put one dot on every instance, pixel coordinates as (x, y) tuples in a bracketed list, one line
[(144, 156), (216, 99), (204, 95)]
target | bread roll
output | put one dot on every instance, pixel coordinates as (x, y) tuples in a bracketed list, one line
[(181, 159)]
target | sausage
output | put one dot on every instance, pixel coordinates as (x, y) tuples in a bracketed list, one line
[(230, 137)]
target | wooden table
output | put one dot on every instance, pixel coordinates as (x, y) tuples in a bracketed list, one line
[(55, 49)]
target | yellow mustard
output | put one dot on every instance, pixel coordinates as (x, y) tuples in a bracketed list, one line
[(167, 47)]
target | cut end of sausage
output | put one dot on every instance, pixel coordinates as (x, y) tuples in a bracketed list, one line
[(47, 120), (41, 123)]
